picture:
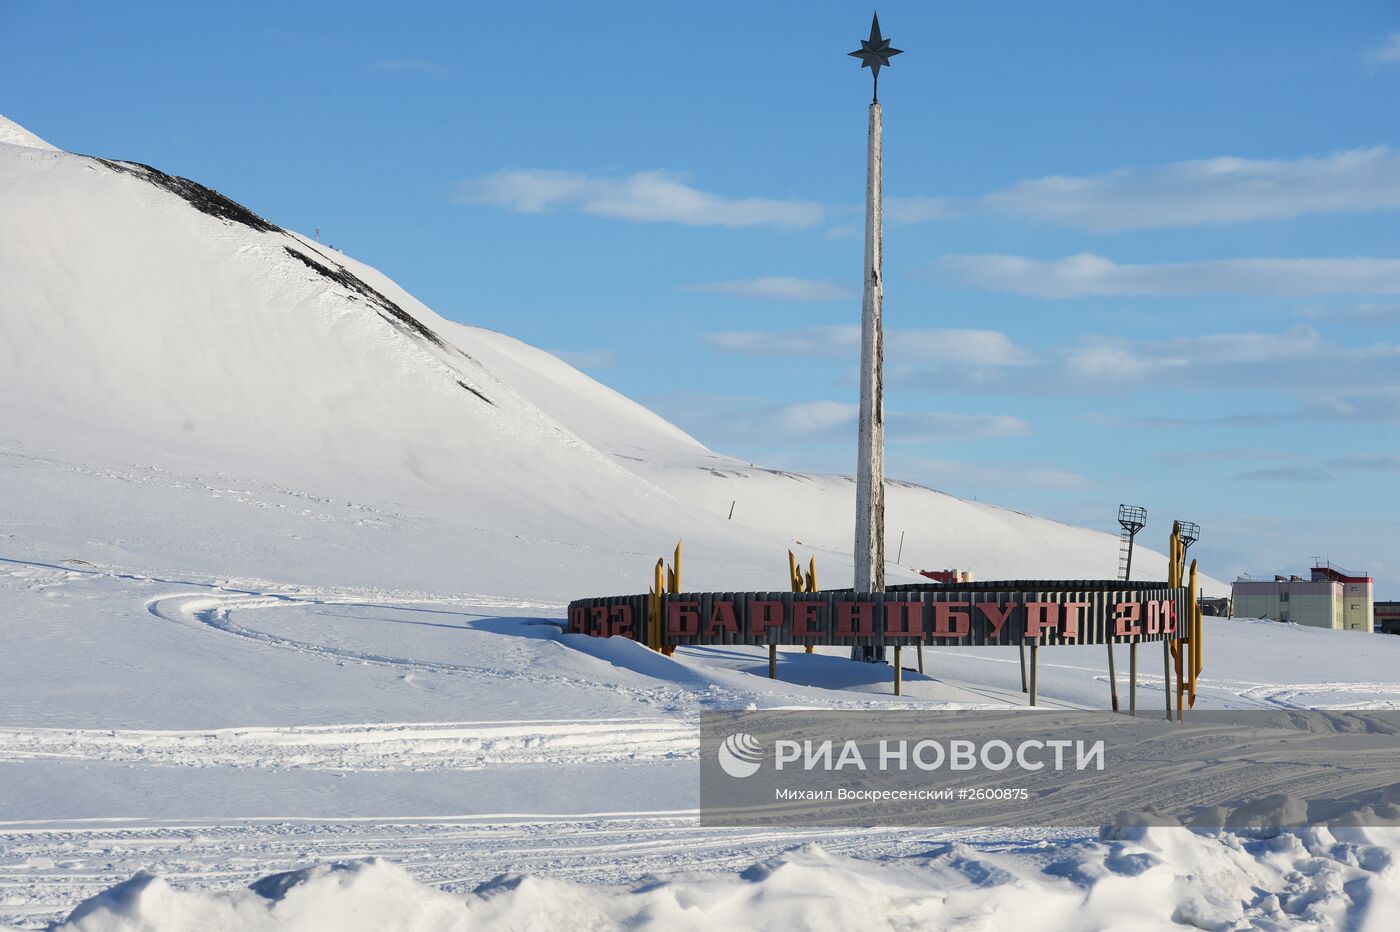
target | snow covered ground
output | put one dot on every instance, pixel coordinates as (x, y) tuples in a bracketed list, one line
[(283, 558)]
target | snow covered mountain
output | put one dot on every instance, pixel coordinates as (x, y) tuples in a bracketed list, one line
[(305, 417)]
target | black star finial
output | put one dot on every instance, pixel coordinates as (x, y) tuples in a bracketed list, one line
[(874, 52)]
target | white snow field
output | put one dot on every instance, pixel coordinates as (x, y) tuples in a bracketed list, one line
[(283, 559)]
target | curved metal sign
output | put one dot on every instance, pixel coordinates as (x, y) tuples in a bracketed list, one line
[(1042, 612)]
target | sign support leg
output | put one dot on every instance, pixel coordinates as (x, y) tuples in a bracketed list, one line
[(1132, 679), (1167, 674), (772, 661), (1112, 679), (921, 656), (898, 673), (1021, 649), (1034, 667)]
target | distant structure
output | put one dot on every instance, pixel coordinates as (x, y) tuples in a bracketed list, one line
[(949, 576), (1388, 617), (1333, 598), (1218, 607)]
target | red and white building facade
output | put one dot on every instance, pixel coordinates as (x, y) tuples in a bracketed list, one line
[(1333, 598)]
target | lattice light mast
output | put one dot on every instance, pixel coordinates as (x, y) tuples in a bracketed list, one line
[(1190, 533), (1131, 518)]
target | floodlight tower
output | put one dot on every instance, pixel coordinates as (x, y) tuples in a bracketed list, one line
[(1190, 533), (1132, 518), (874, 53)]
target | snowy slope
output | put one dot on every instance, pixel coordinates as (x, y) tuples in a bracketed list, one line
[(153, 324)]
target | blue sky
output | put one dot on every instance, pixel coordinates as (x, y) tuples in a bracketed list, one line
[(1139, 253)]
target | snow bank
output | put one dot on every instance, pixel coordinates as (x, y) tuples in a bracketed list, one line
[(1134, 877)]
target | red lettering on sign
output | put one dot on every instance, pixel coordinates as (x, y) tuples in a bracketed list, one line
[(904, 620), (1168, 616), (764, 614), (598, 621), (855, 619), (578, 620), (804, 616), (1070, 628), (1154, 617), (996, 614), (948, 623), (683, 619), (1127, 619), (1041, 616), (621, 621), (722, 618)]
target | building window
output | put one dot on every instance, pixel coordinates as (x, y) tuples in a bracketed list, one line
[(1283, 596), (1355, 607)]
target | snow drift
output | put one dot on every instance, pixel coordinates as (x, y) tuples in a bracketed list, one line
[(1136, 878)]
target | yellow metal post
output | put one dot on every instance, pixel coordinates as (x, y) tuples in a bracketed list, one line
[(673, 586), (802, 584), (1171, 653), (1178, 570), (658, 587), (811, 587), (1193, 665)]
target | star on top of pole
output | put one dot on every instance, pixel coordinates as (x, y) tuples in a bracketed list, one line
[(874, 52)]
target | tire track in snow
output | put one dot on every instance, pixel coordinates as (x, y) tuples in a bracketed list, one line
[(368, 747), (208, 611), (1326, 695)]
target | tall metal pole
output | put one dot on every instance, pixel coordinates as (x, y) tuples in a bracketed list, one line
[(870, 462), (874, 53)]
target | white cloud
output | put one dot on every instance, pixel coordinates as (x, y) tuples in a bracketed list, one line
[(782, 287), (1285, 474), (1131, 361), (1387, 53), (1370, 462), (810, 417), (905, 210), (947, 474), (815, 417), (1327, 381), (747, 418), (409, 66), (833, 341), (1088, 275), (1366, 314), (643, 197), (1209, 191), (935, 425), (979, 347), (1374, 405)]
